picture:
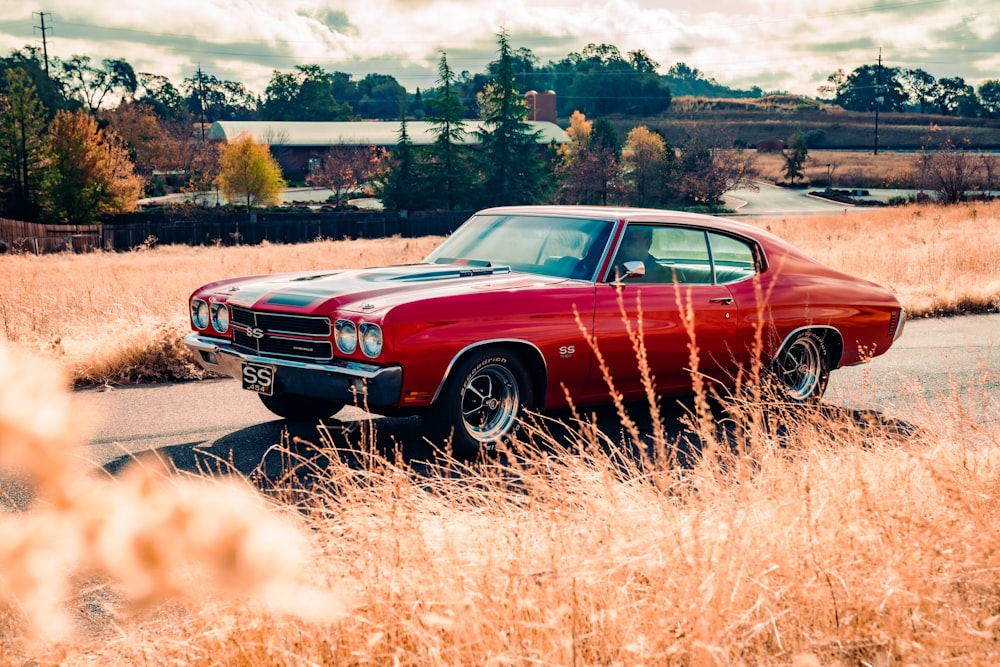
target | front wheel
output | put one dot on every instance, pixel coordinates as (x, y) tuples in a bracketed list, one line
[(803, 368), (301, 408), (482, 402)]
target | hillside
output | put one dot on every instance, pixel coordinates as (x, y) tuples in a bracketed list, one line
[(748, 121)]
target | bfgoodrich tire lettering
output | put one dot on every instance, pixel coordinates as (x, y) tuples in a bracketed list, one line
[(485, 396), (301, 408)]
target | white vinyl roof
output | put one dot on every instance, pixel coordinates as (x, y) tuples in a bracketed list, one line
[(363, 133)]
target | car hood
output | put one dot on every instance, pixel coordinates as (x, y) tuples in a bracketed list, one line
[(369, 290)]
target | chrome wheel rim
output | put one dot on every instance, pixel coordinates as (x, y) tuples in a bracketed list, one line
[(801, 368), (490, 400)]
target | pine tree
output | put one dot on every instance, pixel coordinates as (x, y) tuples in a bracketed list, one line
[(448, 169), (401, 190), (23, 118), (514, 172)]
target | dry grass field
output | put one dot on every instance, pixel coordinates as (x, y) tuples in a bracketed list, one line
[(845, 169), (821, 537)]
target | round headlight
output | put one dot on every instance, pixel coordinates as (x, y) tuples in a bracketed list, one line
[(371, 340), (220, 317), (199, 314), (347, 336)]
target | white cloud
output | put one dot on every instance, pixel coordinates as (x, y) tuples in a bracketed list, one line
[(777, 44)]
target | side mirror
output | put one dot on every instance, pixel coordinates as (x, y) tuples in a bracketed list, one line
[(634, 269)]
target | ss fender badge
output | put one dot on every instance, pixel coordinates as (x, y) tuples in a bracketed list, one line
[(567, 351)]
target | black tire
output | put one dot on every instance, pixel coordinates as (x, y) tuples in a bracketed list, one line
[(802, 368), (482, 402), (301, 408)]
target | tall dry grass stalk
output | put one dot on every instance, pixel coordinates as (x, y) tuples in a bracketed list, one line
[(143, 537), (813, 537)]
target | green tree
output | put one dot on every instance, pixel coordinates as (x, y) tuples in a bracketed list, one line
[(23, 119), (513, 170), (90, 171), (989, 97), (862, 88), (303, 95), (210, 99), (921, 86), (600, 81), (379, 96), (91, 85), (956, 97), (400, 188), (161, 96), (30, 60), (795, 157), (248, 173), (448, 170)]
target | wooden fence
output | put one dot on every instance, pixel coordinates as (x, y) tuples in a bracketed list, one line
[(38, 238), (206, 227)]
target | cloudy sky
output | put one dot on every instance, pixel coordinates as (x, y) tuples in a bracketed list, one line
[(790, 45)]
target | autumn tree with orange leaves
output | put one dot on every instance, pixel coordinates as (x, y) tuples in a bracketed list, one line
[(89, 172), (249, 174)]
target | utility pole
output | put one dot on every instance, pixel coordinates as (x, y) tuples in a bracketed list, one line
[(201, 102), (878, 95), (45, 46)]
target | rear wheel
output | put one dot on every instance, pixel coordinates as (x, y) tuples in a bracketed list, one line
[(301, 408), (482, 402), (802, 369)]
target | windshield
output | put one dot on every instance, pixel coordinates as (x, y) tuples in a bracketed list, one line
[(546, 245)]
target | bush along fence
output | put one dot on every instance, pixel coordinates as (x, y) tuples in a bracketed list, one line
[(208, 227)]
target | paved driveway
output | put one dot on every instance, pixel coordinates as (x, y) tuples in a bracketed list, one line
[(773, 200)]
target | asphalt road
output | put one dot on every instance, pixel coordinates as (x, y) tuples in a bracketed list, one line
[(215, 423), (771, 200)]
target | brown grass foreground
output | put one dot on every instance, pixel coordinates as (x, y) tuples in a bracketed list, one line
[(817, 538), (120, 317)]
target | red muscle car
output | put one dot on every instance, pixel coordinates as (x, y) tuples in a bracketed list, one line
[(495, 321)]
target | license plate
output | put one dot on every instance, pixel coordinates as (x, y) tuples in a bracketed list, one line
[(258, 378)]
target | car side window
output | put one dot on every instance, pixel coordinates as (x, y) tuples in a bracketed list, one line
[(683, 253), (734, 259)]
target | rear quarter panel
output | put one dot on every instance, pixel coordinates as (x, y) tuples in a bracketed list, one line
[(795, 292)]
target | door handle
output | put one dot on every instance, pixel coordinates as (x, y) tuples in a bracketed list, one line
[(722, 299)]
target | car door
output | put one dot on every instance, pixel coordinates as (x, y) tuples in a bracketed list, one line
[(681, 281)]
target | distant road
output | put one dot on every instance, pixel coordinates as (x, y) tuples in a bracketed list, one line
[(773, 200)]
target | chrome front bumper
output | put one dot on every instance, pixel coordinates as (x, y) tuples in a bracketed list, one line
[(341, 380)]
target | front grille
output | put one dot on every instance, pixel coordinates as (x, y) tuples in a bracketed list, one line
[(305, 337)]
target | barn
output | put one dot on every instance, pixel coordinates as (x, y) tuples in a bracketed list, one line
[(297, 146)]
